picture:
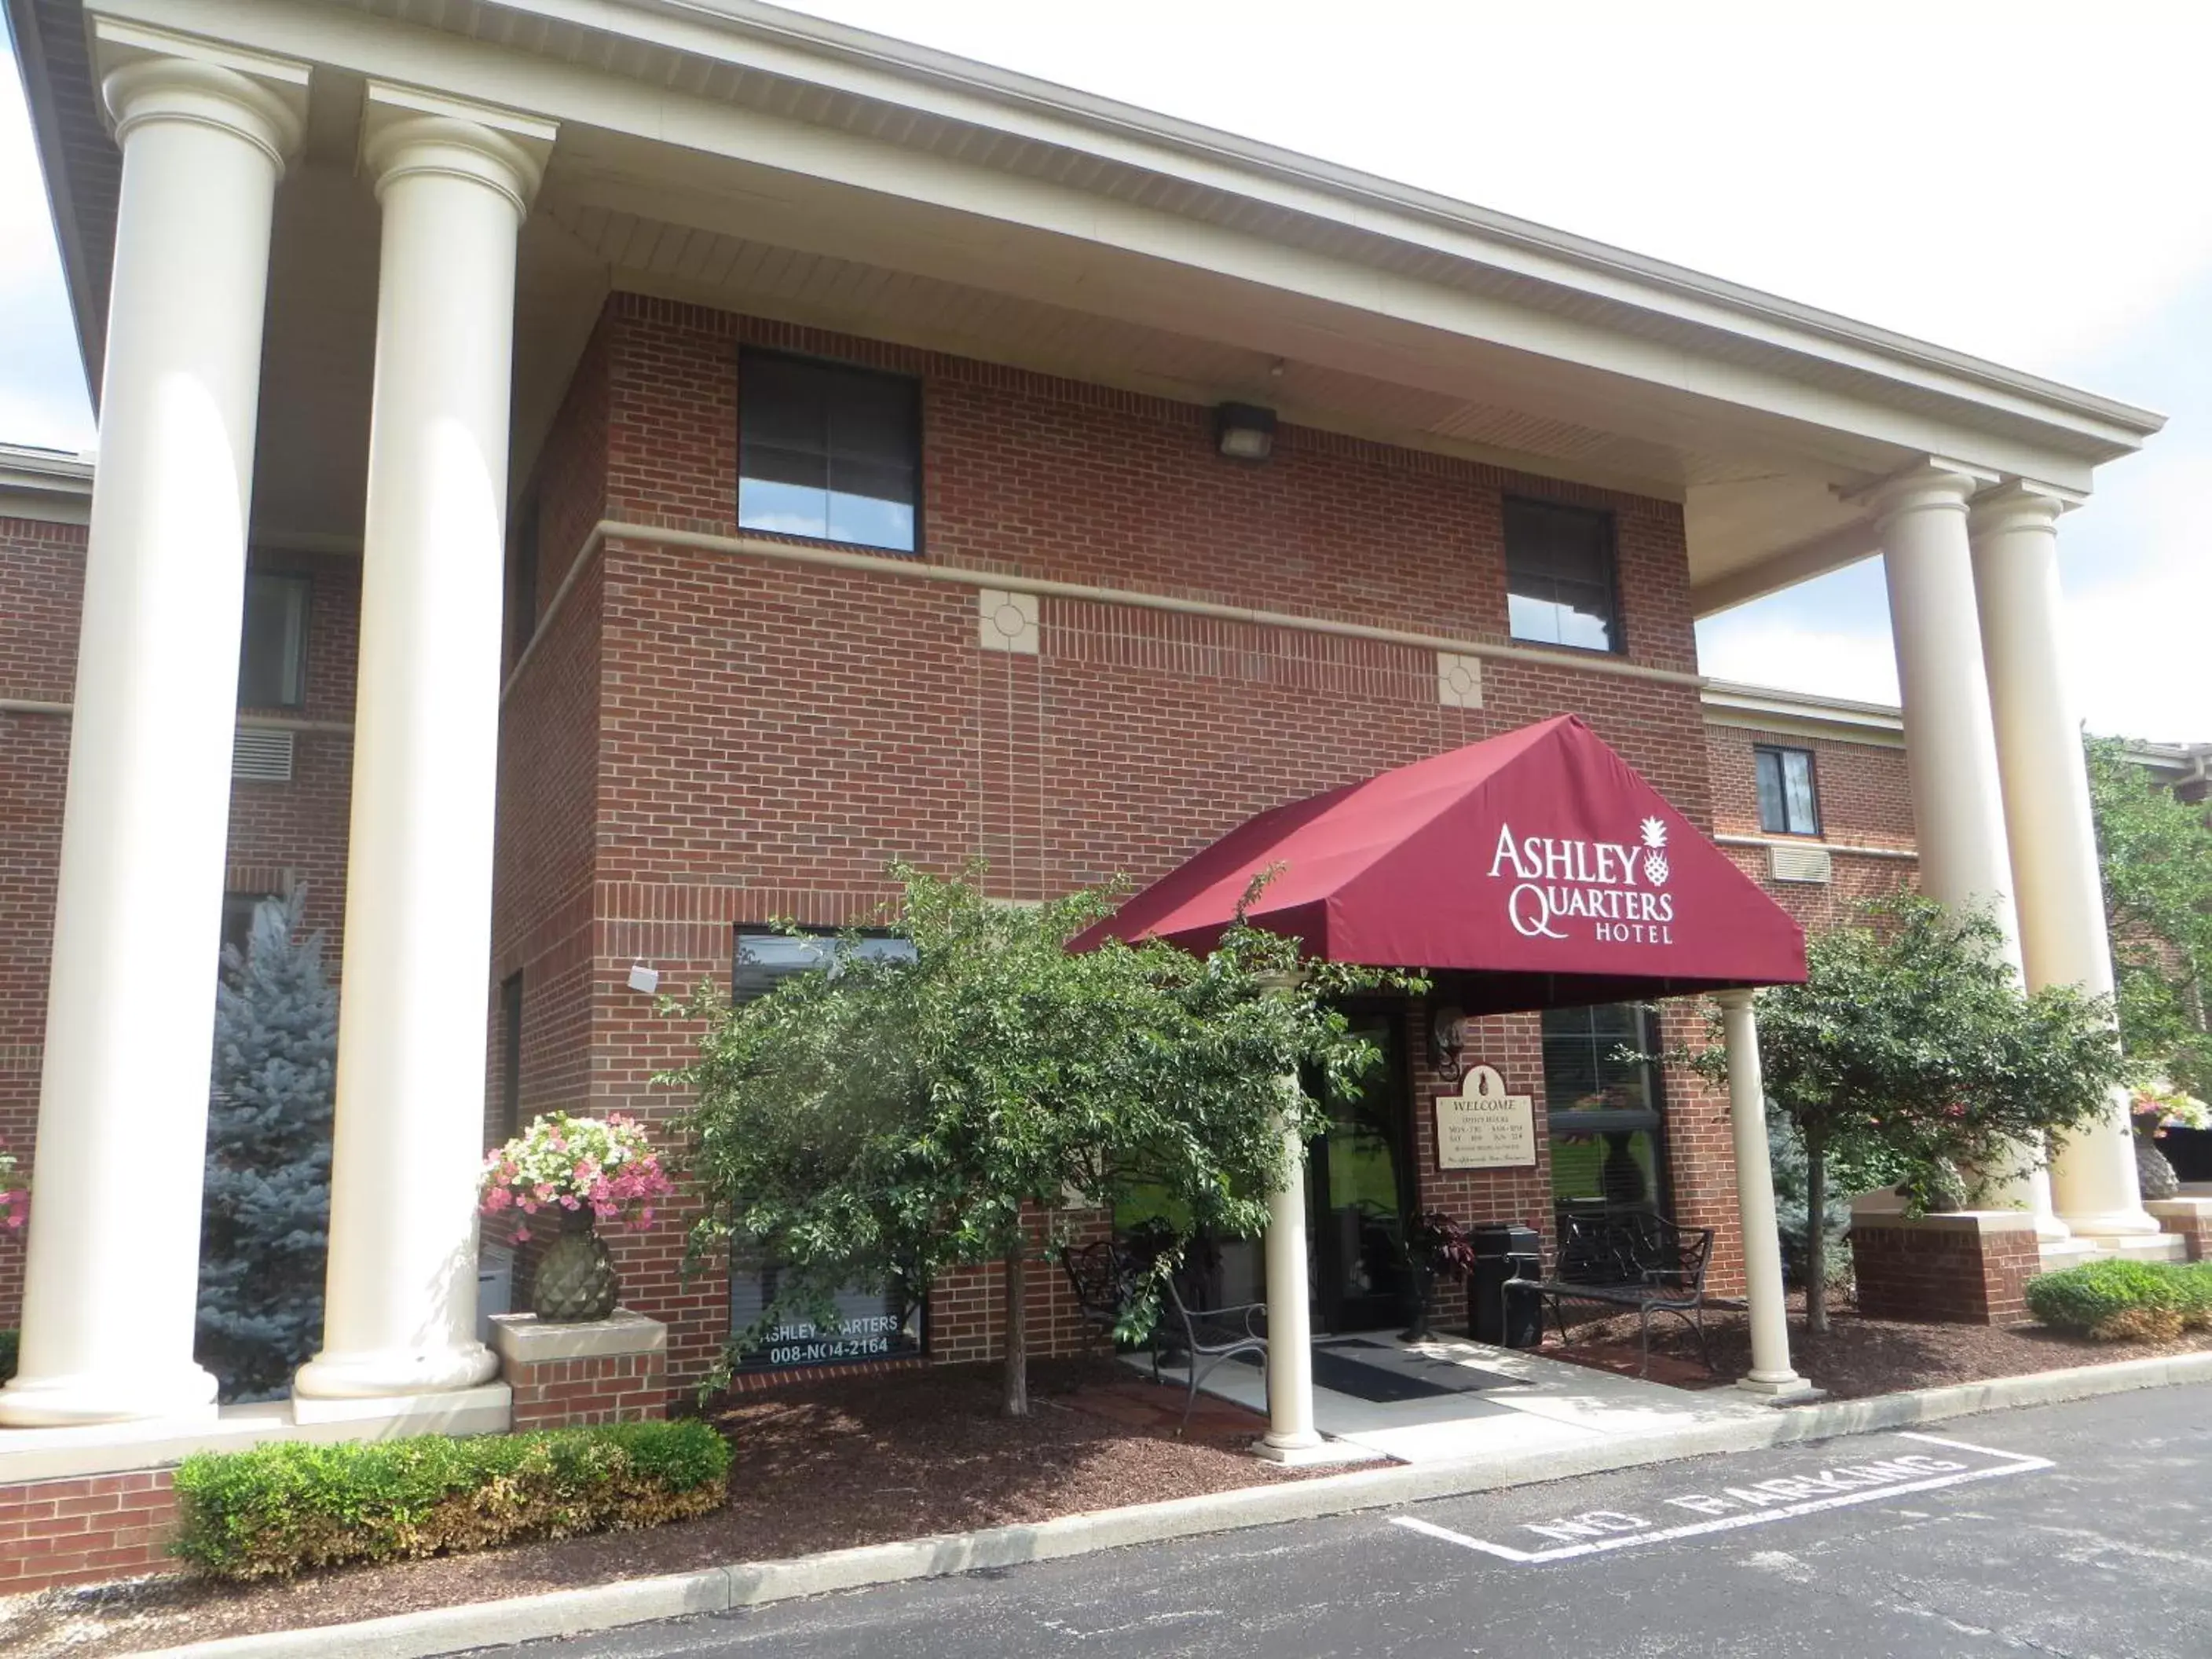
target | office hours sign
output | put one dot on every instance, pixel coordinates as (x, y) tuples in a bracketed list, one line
[(1484, 1128)]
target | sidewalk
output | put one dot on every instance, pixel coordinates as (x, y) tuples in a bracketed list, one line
[(1467, 1400), (1613, 1423)]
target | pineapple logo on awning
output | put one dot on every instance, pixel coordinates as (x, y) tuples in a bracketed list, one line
[(1613, 888)]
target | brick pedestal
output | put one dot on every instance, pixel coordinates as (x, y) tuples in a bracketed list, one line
[(86, 1529), (1967, 1268), (607, 1370), (2190, 1219)]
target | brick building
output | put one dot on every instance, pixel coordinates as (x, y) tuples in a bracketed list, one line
[(648, 469)]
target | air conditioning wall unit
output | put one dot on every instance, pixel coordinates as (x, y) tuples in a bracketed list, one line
[(261, 754), (1809, 864)]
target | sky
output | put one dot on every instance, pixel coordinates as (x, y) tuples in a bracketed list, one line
[(2023, 180)]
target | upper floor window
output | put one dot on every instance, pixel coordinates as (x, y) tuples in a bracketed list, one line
[(828, 451), (1789, 805), (1559, 575), (272, 654)]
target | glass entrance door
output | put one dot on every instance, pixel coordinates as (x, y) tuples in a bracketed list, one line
[(1358, 1192)]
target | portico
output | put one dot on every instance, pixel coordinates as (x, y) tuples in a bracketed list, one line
[(516, 173)]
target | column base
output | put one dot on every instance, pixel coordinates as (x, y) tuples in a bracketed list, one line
[(2112, 1223), (184, 1395), (1312, 1452), (1792, 1390), (387, 1372)]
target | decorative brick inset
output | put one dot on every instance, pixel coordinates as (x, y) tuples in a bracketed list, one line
[(1970, 1268), (86, 1529), (607, 1370)]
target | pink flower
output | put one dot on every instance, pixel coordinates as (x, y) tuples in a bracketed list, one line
[(522, 1235)]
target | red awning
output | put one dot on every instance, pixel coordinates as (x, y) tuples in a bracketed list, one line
[(1538, 864)]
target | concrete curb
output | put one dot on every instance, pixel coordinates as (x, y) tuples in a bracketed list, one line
[(721, 1589)]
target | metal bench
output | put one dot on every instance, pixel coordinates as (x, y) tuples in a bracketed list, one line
[(1107, 1275), (1629, 1260)]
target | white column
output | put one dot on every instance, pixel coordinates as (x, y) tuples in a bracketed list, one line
[(454, 182), (110, 1282), (2046, 804), (1950, 751), (1764, 1296), (1290, 1324)]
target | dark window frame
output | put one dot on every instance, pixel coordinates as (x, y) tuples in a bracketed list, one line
[(304, 657), (1759, 751), (523, 559), (1651, 1119), (1616, 618), (239, 906), (764, 1358), (510, 1082), (839, 365)]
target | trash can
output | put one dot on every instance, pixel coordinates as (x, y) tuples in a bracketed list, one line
[(1504, 1319)]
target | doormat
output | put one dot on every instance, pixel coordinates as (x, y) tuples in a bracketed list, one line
[(1361, 1380), (1464, 1378)]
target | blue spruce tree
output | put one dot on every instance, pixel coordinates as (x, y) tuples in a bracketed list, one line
[(266, 1224)]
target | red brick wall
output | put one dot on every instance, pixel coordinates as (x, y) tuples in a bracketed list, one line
[(1953, 1276), (85, 1530), (567, 1394), (772, 735), (279, 832), (1866, 801)]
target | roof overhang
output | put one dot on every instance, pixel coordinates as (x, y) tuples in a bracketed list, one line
[(710, 147)]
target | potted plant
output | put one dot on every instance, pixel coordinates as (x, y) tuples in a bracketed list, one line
[(1438, 1248), (568, 1174), (2152, 1111)]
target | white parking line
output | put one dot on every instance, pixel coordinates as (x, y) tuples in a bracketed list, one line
[(1632, 1531)]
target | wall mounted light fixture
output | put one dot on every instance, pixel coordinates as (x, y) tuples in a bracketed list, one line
[(1245, 432)]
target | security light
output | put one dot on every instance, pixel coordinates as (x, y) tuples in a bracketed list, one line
[(1246, 432)]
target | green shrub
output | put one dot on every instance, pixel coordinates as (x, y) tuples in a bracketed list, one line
[(2118, 1301), (276, 1509), (9, 1340)]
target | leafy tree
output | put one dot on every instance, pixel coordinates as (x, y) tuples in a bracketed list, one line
[(888, 1120), (2155, 853), (1912, 1038), (265, 1219)]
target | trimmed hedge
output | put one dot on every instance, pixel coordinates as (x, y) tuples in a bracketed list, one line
[(2121, 1301), (276, 1509)]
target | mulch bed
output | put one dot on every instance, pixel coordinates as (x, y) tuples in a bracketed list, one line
[(818, 1467), (1858, 1356)]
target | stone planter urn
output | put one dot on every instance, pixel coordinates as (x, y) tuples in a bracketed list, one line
[(575, 1279), (2152, 1172)]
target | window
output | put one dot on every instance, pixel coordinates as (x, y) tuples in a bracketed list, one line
[(510, 1080), (522, 580), (1605, 1114), (238, 911), (1559, 586), (874, 1322), (1789, 805), (272, 652), (828, 451)]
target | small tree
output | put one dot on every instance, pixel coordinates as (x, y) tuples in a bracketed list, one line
[(1912, 1038), (889, 1120), (2155, 853), (265, 1219)]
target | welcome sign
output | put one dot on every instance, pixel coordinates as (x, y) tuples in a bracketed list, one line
[(1483, 1127)]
